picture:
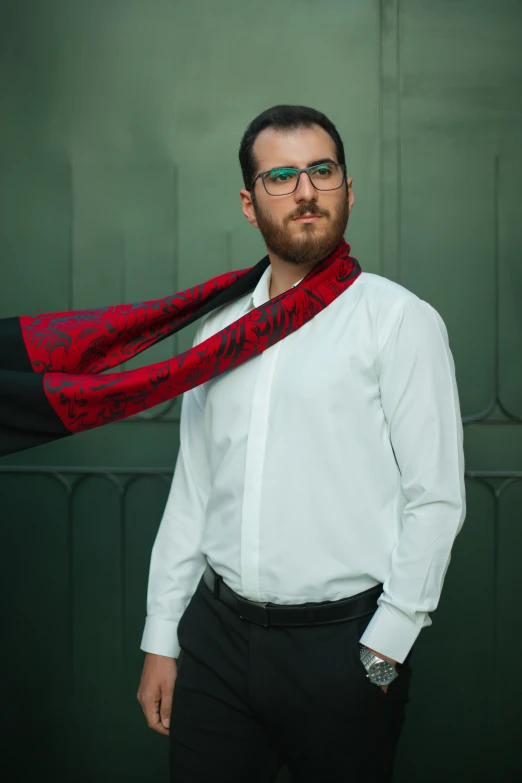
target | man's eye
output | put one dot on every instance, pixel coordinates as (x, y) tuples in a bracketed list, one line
[(281, 176)]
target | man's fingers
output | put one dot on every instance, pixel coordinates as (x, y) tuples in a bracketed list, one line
[(166, 707), (152, 715), (158, 710)]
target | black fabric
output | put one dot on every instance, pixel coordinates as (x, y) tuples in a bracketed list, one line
[(29, 419), (249, 700), (13, 355)]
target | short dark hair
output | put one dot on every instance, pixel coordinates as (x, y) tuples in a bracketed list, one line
[(282, 117)]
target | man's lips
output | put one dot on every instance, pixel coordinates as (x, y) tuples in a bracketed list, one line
[(307, 218)]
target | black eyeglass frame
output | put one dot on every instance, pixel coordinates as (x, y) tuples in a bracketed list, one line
[(299, 172)]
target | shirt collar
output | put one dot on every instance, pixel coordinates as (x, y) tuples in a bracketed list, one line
[(260, 294)]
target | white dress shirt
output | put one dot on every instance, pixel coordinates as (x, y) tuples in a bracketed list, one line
[(327, 464)]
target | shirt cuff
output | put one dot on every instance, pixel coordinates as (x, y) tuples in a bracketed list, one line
[(160, 637), (391, 633)]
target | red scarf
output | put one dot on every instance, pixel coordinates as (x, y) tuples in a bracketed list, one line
[(51, 384)]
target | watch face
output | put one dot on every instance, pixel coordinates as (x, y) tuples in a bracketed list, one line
[(382, 673)]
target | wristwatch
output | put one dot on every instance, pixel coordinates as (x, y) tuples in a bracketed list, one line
[(380, 671)]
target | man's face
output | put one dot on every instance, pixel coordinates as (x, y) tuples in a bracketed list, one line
[(293, 241)]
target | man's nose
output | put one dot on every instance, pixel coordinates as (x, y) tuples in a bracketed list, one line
[(305, 190)]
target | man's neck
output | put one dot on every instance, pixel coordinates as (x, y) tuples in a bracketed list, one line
[(284, 277)]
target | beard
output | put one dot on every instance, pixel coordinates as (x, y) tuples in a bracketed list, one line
[(312, 242)]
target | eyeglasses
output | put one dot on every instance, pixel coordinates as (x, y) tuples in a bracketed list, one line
[(283, 181)]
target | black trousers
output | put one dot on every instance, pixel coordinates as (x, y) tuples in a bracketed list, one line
[(250, 699)]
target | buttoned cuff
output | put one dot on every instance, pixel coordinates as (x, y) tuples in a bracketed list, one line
[(160, 637), (391, 633)]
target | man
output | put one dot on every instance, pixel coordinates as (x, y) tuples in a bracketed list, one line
[(325, 478)]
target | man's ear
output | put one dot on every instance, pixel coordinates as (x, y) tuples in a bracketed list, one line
[(248, 207), (351, 197)]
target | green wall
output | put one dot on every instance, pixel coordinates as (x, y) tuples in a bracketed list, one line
[(119, 181)]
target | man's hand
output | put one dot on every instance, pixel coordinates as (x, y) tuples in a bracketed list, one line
[(381, 655), (157, 689)]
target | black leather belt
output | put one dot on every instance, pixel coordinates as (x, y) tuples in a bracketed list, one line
[(296, 614)]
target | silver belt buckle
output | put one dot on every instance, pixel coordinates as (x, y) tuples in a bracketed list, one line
[(253, 611)]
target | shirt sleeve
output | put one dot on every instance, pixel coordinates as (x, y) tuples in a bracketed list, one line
[(177, 562), (420, 401)]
